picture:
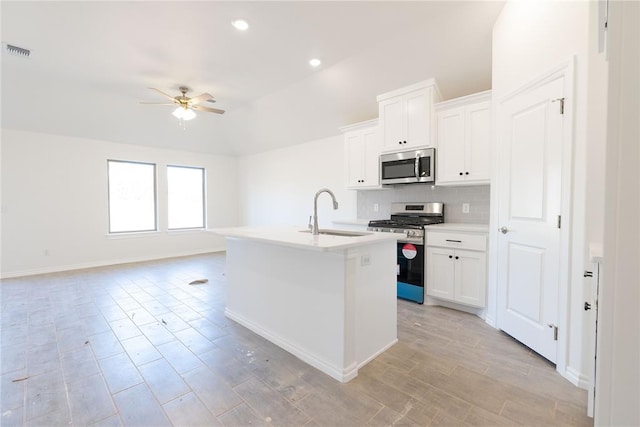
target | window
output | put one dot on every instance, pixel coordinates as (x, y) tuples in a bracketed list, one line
[(132, 196), (185, 187)]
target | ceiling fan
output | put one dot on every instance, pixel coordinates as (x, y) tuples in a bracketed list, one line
[(185, 104)]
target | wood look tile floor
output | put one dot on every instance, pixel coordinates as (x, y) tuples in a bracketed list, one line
[(136, 345)]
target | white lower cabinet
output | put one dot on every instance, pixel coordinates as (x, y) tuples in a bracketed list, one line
[(457, 267)]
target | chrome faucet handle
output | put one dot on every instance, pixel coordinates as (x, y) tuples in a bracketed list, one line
[(309, 225)]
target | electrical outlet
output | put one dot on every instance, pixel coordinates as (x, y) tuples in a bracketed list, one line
[(365, 260), (376, 207), (465, 208)]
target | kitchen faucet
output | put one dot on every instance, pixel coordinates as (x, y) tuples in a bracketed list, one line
[(314, 228)]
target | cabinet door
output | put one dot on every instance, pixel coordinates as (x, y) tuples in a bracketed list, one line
[(451, 146), (470, 277), (391, 121), (417, 118), (440, 270), (478, 142), (355, 159), (370, 157)]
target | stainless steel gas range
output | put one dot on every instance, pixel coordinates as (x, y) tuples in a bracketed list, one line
[(410, 219)]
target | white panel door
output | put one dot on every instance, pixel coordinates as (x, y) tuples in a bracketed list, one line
[(417, 124), (440, 270), (530, 141), (391, 118), (478, 142), (470, 274), (450, 155), (371, 147), (355, 159)]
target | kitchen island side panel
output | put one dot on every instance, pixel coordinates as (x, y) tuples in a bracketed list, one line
[(294, 298), (324, 307), (376, 299)]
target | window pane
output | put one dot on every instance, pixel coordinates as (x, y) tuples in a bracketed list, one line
[(186, 197), (132, 196)]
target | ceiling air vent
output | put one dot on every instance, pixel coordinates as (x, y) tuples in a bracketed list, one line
[(16, 50)]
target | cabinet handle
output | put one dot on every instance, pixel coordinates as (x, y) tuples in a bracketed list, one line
[(454, 241), (450, 256), (457, 257), (400, 142), (404, 142), (460, 173), (466, 173)]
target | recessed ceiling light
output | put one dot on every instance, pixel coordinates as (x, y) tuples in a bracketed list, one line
[(315, 62), (240, 24)]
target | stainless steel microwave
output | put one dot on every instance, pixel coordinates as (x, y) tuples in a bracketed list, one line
[(408, 167)]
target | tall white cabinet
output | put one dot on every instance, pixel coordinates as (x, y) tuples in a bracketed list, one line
[(362, 148), (407, 116), (464, 140)]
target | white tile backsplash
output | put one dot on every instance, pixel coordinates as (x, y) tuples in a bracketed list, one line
[(453, 197)]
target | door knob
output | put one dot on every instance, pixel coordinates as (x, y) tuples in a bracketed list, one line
[(503, 230)]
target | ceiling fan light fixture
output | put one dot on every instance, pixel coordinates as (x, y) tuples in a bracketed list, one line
[(184, 113), (240, 24), (315, 62)]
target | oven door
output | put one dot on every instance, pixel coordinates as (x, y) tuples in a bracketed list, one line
[(410, 271), (407, 167)]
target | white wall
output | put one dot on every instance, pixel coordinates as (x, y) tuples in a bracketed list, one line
[(55, 211), (277, 187), (618, 382), (531, 38)]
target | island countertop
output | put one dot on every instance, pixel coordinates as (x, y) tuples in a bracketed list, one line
[(299, 237)]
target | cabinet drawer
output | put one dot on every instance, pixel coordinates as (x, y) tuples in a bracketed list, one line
[(476, 242)]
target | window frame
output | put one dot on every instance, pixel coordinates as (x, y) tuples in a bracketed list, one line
[(204, 198), (155, 198)]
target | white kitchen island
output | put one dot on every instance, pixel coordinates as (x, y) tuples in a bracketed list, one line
[(329, 300)]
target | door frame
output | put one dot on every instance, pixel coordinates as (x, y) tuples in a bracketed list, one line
[(565, 70)]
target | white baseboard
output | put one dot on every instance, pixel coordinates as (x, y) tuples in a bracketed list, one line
[(491, 322), (576, 378), (378, 353), (341, 374), (94, 264), (480, 312)]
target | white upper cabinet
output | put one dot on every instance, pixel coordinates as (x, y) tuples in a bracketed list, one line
[(407, 116), (464, 140), (362, 148)]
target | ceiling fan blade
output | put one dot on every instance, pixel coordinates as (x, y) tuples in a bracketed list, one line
[(157, 103), (211, 100), (211, 110), (200, 98), (163, 94)]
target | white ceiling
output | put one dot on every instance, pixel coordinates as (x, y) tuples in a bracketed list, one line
[(92, 63)]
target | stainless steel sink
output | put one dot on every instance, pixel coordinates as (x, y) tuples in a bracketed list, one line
[(341, 233)]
